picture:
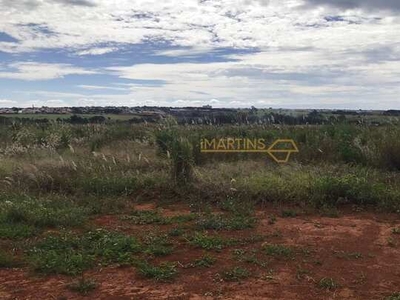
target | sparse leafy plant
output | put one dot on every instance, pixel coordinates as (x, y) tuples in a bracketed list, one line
[(205, 261), (278, 250), (83, 286), (163, 272), (235, 274), (328, 284)]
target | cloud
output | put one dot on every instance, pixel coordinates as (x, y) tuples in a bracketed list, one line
[(353, 4), (97, 87), (97, 51), (270, 78), (32, 71), (165, 52), (76, 2), (7, 102)]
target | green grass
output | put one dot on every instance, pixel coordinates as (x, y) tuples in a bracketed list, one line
[(205, 261), (277, 250), (162, 272), (142, 217), (145, 217), (394, 296), (235, 274), (210, 242), (328, 284), (157, 245), (7, 260), (228, 222), (248, 257), (41, 212), (396, 230), (14, 231), (289, 213), (348, 255), (71, 255), (83, 286)]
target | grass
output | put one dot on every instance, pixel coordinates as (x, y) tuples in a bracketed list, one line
[(289, 213), (157, 245), (328, 284), (71, 255), (396, 230), (16, 231), (141, 217), (394, 296), (7, 260), (277, 250), (205, 261), (32, 212), (210, 242), (235, 274), (145, 217), (348, 255), (162, 272), (57, 182), (83, 286), (228, 222), (248, 257)]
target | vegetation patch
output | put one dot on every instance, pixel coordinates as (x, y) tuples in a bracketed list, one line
[(162, 272), (328, 284), (210, 242), (229, 222), (235, 274), (83, 286), (278, 250), (71, 255), (205, 261)]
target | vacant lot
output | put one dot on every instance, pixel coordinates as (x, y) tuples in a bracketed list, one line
[(119, 211)]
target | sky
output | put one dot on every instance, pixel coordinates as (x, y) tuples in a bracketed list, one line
[(342, 54)]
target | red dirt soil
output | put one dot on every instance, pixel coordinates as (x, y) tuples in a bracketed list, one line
[(357, 250)]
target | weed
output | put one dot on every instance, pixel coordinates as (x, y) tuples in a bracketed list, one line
[(6, 260), (394, 296), (177, 231), (271, 219), (208, 242), (289, 214), (205, 261), (328, 284), (278, 250), (219, 222), (302, 273), (83, 286), (157, 245), (71, 255), (349, 255), (16, 231), (391, 242), (163, 272), (396, 230), (235, 274)]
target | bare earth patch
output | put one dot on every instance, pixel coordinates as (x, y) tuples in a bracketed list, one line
[(357, 251)]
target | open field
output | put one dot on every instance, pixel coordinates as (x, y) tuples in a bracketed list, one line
[(121, 211)]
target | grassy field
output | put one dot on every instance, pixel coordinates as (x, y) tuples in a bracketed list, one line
[(89, 209)]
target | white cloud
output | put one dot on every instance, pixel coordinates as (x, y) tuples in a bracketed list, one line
[(207, 24), (99, 87), (97, 51), (40, 71), (7, 102), (318, 56)]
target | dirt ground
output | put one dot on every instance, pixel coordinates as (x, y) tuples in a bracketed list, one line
[(358, 250)]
